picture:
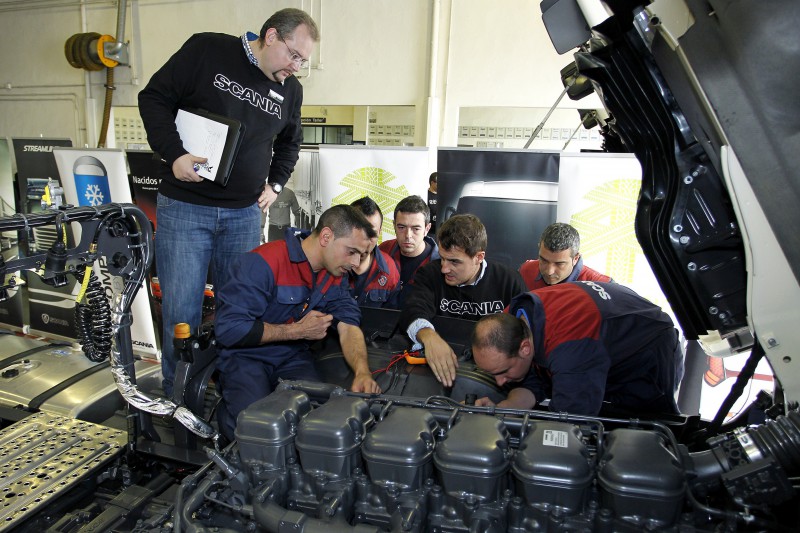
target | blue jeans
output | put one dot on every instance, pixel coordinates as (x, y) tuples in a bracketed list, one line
[(190, 238)]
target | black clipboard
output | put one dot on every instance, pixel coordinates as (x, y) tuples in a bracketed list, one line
[(197, 141)]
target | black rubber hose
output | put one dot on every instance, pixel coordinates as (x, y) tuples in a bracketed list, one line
[(781, 440), (747, 373), (275, 518)]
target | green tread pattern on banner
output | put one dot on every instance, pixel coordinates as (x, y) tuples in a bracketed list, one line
[(375, 183)]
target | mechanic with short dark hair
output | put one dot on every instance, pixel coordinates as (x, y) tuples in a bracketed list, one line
[(374, 282), (282, 295), (559, 259), (580, 344), (413, 248), (460, 284)]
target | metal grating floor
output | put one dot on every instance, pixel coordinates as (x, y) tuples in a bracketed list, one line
[(43, 456)]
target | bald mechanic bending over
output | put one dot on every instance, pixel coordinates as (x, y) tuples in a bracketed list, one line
[(580, 344)]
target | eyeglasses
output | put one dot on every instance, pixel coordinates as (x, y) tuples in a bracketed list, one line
[(296, 58)]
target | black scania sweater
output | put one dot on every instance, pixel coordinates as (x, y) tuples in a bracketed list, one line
[(431, 296), (211, 72)]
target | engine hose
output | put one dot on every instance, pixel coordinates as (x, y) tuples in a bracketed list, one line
[(186, 521), (93, 320), (275, 518), (778, 440), (781, 440)]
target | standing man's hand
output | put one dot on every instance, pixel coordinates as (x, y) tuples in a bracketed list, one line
[(266, 199), (364, 383), (183, 168), (440, 357)]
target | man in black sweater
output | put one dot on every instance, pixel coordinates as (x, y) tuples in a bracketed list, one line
[(461, 284), (200, 223)]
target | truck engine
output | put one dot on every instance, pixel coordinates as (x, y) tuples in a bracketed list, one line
[(382, 463)]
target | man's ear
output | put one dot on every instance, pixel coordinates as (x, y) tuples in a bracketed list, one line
[(427, 228), (526, 349), (480, 255), (325, 236), (576, 258)]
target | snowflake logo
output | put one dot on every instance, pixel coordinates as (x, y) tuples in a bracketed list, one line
[(94, 195)]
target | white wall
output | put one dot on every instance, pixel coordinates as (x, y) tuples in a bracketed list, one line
[(485, 53)]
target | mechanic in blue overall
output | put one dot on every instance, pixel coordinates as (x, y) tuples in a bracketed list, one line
[(375, 281), (581, 344), (280, 297)]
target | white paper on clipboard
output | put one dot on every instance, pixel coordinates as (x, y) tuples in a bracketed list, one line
[(202, 137)]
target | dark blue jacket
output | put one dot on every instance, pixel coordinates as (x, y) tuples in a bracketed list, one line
[(379, 284), (274, 283), (600, 341)]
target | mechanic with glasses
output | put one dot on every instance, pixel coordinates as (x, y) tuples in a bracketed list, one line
[(201, 223)]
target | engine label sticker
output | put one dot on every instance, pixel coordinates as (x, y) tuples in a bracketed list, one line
[(555, 438)]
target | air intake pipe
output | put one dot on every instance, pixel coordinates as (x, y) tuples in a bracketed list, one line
[(754, 465)]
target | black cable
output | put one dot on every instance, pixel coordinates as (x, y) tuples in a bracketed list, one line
[(747, 373)]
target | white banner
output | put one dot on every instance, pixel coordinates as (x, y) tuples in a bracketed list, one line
[(95, 177), (597, 195), (387, 175), (11, 309)]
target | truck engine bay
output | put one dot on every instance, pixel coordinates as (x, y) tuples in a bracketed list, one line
[(314, 457)]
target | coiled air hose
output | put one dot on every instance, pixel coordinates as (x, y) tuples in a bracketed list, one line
[(93, 317)]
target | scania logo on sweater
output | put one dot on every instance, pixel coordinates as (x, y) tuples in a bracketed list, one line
[(222, 83), (598, 289), (471, 308)]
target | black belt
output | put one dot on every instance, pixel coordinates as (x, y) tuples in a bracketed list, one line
[(280, 226)]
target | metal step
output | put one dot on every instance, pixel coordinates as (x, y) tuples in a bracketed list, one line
[(43, 456)]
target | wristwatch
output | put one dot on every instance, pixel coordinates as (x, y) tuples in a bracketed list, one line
[(277, 187)]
